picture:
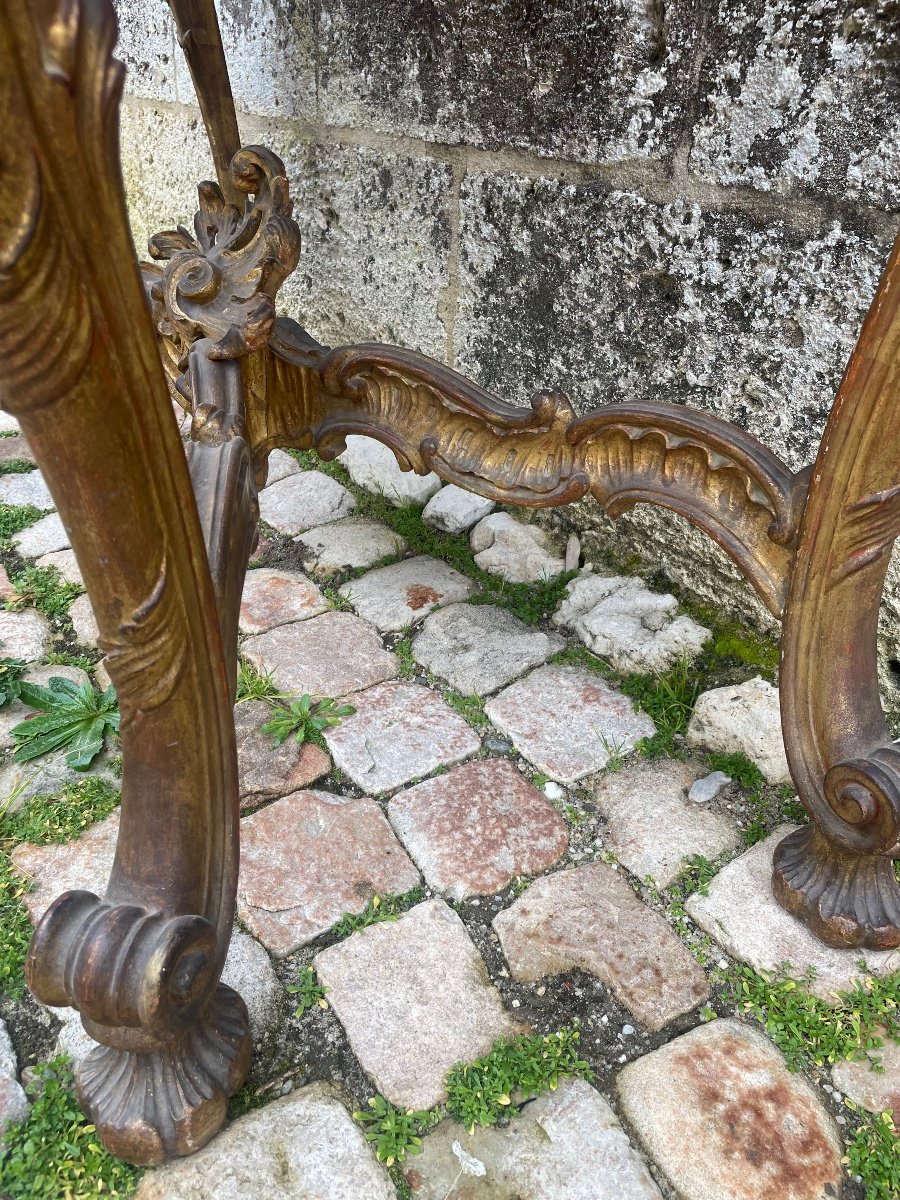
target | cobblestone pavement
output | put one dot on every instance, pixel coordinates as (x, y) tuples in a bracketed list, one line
[(490, 795)]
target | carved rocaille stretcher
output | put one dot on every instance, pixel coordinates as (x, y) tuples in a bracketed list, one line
[(163, 539)]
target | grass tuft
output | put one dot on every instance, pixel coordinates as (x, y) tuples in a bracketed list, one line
[(379, 908)]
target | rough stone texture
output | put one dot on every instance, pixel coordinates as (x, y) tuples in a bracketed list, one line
[(329, 655), (567, 721), (273, 598), (745, 717), (372, 466), (475, 829), (30, 488), (589, 917), (280, 466), (66, 563), (454, 510), (24, 634), (878, 1091), (652, 828), (266, 770), (299, 502), (81, 614), (414, 999), (356, 542), (305, 1146), (311, 857), (15, 449), (13, 1101), (12, 714), (806, 97), (84, 863), (8, 423), (7, 591), (46, 776), (43, 537), (406, 592), (478, 648), (742, 914), (725, 1120), (400, 732), (566, 1145), (516, 552), (620, 619)]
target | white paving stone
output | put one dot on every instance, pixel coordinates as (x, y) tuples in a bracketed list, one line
[(373, 466), (516, 552), (13, 1101), (478, 648), (24, 634), (66, 563), (567, 721), (43, 537), (620, 619), (354, 542), (413, 997), (30, 488), (302, 501), (652, 828), (81, 614), (280, 466), (566, 1145), (454, 510), (401, 732), (740, 911), (743, 718), (303, 1147), (8, 423), (404, 593)]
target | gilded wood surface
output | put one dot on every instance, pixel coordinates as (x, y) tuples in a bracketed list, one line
[(82, 374)]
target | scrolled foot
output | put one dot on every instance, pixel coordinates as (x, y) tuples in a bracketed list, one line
[(151, 1102), (847, 899)]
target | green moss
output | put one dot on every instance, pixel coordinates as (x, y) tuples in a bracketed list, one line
[(16, 517), (16, 466)]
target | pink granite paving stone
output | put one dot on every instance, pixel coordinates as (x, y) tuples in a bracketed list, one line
[(475, 829), (267, 771), (721, 1115), (589, 917), (330, 655), (406, 592), (567, 721), (414, 998), (83, 864), (401, 732), (273, 598), (311, 857)]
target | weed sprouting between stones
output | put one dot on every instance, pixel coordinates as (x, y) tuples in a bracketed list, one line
[(70, 716), (16, 517), (17, 466), (55, 1151), (765, 801), (378, 909), (43, 588), (873, 1153), (309, 992), (395, 1132), (253, 684), (305, 719), (11, 672)]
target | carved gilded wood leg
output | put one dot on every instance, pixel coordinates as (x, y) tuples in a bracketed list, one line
[(837, 874), (81, 371)]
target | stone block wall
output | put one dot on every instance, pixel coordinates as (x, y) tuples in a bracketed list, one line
[(684, 200)]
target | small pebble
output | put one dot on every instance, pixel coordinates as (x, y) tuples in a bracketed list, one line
[(573, 552), (708, 787), (623, 1058), (553, 791), (542, 991), (497, 745), (628, 1030), (516, 1003)]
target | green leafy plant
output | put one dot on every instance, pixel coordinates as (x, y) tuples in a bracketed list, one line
[(306, 718), (55, 1154), (395, 1132), (668, 698), (379, 908), (309, 992), (253, 684), (17, 466), (43, 588), (15, 929), (807, 1030), (11, 672), (470, 708), (73, 715), (873, 1153), (485, 1091), (16, 517)]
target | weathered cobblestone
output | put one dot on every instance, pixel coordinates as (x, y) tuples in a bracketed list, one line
[(473, 830), (516, 552), (81, 614), (372, 466), (273, 598), (299, 502), (43, 537), (265, 770), (354, 542), (24, 634), (413, 998), (404, 593), (743, 718)]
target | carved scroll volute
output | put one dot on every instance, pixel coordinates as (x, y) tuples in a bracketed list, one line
[(82, 373), (837, 874)]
